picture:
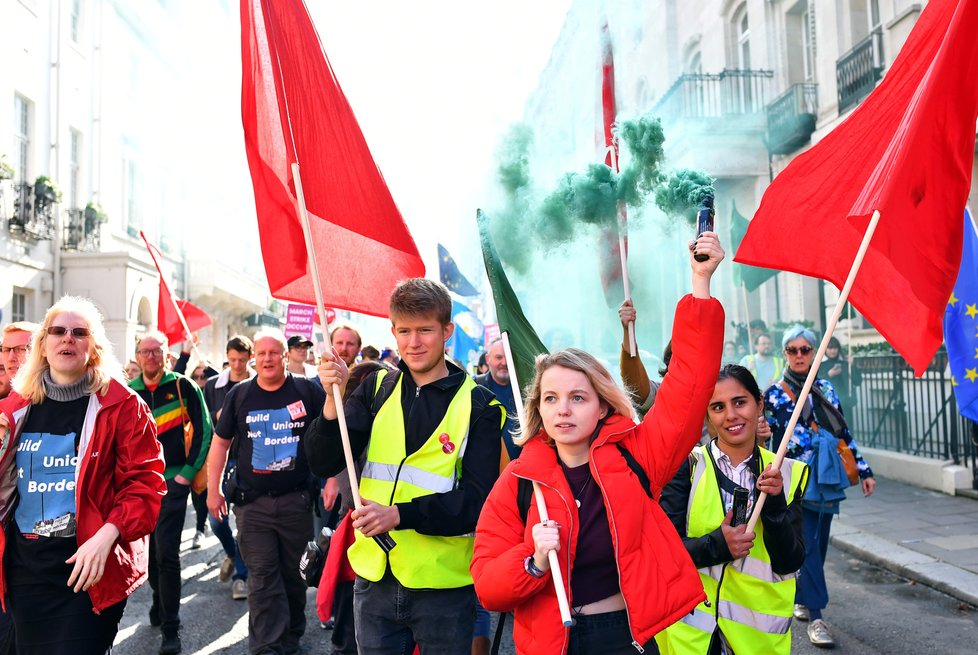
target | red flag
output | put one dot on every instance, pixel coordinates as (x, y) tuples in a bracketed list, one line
[(609, 248), (167, 317), (293, 110), (906, 151)]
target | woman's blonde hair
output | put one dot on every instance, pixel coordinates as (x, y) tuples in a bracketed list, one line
[(574, 359), (102, 364)]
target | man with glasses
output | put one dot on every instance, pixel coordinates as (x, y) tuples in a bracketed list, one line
[(16, 344), (763, 364), (263, 422), (298, 353), (175, 401)]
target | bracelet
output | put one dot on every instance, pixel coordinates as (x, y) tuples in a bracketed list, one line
[(530, 567)]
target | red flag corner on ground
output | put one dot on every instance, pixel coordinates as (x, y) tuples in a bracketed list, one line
[(906, 151), (293, 110), (167, 317)]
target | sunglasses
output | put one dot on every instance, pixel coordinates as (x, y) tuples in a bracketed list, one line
[(60, 331), (802, 350)]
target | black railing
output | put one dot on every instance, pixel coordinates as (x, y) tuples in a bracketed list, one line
[(896, 411), (33, 215), (715, 95), (791, 118), (82, 231), (858, 71)]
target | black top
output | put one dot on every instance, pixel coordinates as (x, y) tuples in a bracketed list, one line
[(453, 513), (42, 534), (267, 428), (595, 571)]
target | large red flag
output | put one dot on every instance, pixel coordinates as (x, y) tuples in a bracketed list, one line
[(293, 110), (906, 151), (167, 317), (609, 245)]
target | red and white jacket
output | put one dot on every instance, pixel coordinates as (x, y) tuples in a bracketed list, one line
[(657, 578), (119, 480)]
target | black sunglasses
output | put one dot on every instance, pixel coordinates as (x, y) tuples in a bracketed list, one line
[(804, 350), (60, 331)]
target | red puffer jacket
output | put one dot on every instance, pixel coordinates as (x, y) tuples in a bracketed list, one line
[(658, 580), (120, 481)]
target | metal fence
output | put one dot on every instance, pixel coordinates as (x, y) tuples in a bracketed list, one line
[(893, 410), (716, 95)]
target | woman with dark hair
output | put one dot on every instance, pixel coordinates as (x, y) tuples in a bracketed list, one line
[(626, 573), (82, 486), (815, 441), (749, 577), (842, 374)]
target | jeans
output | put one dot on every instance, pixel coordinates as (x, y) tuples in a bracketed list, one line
[(812, 592), (272, 533), (164, 556), (344, 629), (392, 619), (605, 634)]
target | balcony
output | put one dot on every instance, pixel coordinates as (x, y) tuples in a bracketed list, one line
[(82, 230), (858, 71), (33, 215), (729, 93), (791, 118)]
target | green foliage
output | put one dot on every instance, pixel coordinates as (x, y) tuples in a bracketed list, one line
[(45, 188), (875, 348), (6, 170)]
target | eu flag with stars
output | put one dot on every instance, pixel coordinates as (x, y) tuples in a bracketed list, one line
[(451, 277), (466, 342), (961, 326)]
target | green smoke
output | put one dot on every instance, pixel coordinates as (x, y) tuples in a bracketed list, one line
[(682, 193)]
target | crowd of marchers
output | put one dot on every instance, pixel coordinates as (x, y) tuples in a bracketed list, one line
[(607, 519)]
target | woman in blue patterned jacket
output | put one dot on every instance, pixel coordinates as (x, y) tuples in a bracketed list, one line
[(814, 442)]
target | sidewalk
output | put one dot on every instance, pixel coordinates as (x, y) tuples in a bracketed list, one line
[(919, 534)]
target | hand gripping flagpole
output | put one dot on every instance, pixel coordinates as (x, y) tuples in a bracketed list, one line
[(813, 372), (558, 578), (383, 540)]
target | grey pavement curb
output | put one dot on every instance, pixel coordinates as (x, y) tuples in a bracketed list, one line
[(944, 577)]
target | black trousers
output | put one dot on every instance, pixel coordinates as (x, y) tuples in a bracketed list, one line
[(164, 556)]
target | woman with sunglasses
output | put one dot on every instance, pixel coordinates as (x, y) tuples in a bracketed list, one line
[(81, 482), (814, 441)]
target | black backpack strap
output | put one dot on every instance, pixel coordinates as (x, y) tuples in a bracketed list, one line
[(524, 495), (387, 384), (637, 470), (497, 640)]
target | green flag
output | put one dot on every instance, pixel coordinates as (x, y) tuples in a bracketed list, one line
[(523, 339), (750, 276)]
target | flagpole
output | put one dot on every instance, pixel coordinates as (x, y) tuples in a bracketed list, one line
[(813, 372), (384, 540), (558, 578), (849, 357), (176, 305), (750, 341), (632, 349)]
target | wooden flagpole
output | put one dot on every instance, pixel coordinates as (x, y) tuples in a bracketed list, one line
[(813, 372), (632, 348), (383, 540), (558, 578), (750, 341)]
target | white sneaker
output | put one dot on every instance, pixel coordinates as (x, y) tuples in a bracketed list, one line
[(227, 568), (820, 635), (239, 590), (800, 612), (195, 542)]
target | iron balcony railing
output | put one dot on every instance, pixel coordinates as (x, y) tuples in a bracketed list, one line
[(858, 71), (82, 231), (33, 215), (715, 95), (791, 118)]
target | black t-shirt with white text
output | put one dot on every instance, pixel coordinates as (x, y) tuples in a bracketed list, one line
[(267, 429)]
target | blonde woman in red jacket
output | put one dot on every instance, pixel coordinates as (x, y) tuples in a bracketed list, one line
[(626, 572), (81, 481)]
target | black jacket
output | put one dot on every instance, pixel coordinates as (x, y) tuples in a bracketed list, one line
[(782, 522), (453, 513)]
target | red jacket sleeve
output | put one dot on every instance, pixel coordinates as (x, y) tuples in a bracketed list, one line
[(674, 424), (501, 582), (139, 481)]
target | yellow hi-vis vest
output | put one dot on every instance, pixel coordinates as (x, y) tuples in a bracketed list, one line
[(390, 476), (749, 602)]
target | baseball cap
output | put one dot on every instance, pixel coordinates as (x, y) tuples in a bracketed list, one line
[(299, 340)]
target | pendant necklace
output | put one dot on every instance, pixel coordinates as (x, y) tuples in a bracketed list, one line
[(580, 494)]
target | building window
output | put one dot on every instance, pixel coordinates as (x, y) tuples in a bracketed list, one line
[(76, 10), (808, 44), (742, 27), (22, 137), (131, 186), (18, 307), (74, 175)]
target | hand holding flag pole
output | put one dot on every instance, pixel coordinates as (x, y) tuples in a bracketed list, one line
[(383, 540), (813, 372), (558, 578)]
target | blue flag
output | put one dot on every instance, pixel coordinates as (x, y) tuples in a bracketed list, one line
[(961, 326), (451, 277), (466, 342)]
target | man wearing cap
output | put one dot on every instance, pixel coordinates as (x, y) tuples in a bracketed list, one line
[(298, 353)]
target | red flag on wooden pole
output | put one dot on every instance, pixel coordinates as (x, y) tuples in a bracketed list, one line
[(175, 318), (907, 151), (294, 111)]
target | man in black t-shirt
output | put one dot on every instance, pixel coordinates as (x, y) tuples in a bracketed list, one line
[(263, 421)]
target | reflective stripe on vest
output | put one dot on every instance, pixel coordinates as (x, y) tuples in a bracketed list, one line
[(391, 476), (749, 602)]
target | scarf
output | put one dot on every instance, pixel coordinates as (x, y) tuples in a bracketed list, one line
[(826, 414)]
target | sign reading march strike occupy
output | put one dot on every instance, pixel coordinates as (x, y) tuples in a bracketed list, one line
[(298, 320)]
